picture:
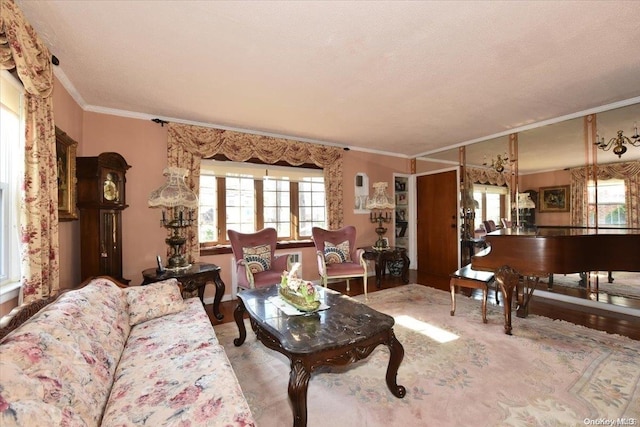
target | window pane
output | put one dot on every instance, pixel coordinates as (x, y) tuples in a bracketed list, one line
[(240, 207), (312, 210), (208, 217), (277, 213), (493, 207)]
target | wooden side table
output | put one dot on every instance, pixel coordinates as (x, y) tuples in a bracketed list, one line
[(193, 278), (389, 254)]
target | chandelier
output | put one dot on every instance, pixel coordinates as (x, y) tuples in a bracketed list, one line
[(498, 163), (618, 142)]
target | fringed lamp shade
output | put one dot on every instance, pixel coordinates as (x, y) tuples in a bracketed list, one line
[(380, 200), (174, 192)]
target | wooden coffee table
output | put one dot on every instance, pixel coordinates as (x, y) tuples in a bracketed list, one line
[(346, 332)]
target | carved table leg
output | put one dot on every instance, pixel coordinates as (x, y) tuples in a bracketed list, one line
[(298, 384), (508, 280), (405, 267), (218, 297), (395, 358), (238, 315), (378, 263)]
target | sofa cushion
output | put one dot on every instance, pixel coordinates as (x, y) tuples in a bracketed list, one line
[(153, 300), (336, 254), (258, 258), (58, 367), (174, 372)]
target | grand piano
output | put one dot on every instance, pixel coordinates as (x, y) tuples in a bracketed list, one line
[(529, 254)]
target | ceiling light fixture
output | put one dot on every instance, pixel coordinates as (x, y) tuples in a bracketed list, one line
[(618, 142), (498, 163)]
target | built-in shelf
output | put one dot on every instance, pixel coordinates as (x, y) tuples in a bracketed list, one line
[(402, 211)]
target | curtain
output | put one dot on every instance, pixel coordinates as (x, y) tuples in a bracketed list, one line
[(22, 49), (188, 144), (627, 171)]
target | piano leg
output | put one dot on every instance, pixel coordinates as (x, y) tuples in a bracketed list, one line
[(524, 295), (508, 280)]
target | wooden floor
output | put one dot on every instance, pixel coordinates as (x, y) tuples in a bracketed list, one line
[(611, 322)]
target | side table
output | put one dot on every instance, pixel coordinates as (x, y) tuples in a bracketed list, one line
[(381, 256), (192, 278)]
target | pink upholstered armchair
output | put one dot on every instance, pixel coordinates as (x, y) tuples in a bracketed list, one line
[(338, 257), (256, 264)]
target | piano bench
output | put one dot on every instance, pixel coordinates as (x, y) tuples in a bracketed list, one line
[(473, 279)]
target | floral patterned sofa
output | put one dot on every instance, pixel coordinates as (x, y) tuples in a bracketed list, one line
[(115, 356)]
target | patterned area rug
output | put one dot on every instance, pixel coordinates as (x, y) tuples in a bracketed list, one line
[(457, 371), (625, 284)]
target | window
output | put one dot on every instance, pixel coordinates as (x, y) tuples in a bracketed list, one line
[(612, 207), (492, 203), (247, 197), (11, 173)]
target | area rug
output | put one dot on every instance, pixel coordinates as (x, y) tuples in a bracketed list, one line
[(457, 371), (625, 284)]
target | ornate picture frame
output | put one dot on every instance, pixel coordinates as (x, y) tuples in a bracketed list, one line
[(554, 199), (66, 170)]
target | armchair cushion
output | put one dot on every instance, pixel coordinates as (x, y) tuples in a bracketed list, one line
[(154, 300), (337, 254), (258, 258)]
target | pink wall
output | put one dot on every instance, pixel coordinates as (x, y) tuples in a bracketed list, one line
[(144, 144), (68, 117), (547, 179)]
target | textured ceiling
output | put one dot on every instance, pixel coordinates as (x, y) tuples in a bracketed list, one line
[(405, 78)]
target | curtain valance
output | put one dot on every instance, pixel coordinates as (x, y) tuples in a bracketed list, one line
[(188, 144)]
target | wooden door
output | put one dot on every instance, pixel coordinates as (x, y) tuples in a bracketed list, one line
[(437, 227)]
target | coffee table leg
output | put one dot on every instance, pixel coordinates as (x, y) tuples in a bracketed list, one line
[(298, 384), (238, 315), (397, 354)]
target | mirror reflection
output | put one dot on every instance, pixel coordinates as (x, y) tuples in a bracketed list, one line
[(545, 157)]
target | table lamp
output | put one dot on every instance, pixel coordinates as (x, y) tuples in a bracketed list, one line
[(178, 205)]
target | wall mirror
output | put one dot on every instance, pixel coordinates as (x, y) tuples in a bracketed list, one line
[(544, 155)]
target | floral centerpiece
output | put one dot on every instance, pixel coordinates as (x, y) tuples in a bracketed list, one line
[(299, 293)]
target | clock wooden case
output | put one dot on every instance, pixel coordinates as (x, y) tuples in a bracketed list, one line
[(101, 200)]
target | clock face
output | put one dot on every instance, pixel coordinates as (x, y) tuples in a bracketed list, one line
[(110, 188)]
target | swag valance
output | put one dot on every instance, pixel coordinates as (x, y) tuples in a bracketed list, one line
[(188, 145)]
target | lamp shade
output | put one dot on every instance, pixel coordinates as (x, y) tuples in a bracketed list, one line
[(525, 202), (380, 199), (174, 192)]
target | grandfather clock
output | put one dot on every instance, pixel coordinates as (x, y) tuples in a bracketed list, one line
[(101, 200)]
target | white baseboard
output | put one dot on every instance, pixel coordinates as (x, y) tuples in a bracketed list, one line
[(587, 303)]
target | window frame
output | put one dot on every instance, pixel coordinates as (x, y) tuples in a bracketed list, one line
[(10, 255), (222, 244)]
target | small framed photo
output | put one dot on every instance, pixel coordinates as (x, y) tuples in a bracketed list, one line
[(554, 199), (401, 198)]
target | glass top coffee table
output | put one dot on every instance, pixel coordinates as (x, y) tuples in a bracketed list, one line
[(344, 333)]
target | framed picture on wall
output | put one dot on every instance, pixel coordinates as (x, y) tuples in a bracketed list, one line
[(66, 164), (554, 199)]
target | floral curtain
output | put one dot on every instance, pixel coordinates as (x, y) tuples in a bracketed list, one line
[(22, 49), (627, 171), (188, 144)]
